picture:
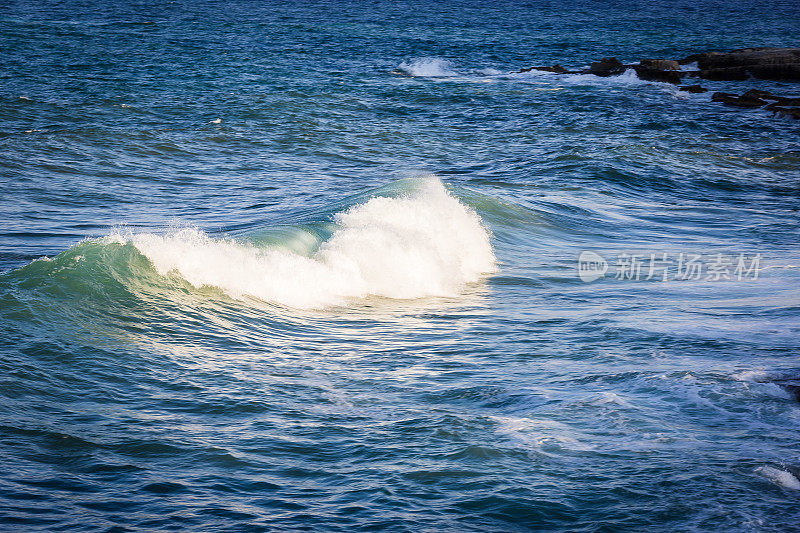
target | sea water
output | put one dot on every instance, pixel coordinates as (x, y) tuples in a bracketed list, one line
[(316, 266)]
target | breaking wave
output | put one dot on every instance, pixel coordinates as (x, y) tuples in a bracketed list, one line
[(422, 243)]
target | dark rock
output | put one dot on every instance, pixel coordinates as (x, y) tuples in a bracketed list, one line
[(608, 66), (760, 63), (781, 100), (757, 93), (776, 72), (660, 64), (653, 74), (693, 89), (793, 112), (690, 59), (719, 96), (558, 69), (748, 56), (738, 101), (725, 74)]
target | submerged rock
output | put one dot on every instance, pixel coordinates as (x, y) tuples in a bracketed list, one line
[(738, 101), (793, 112), (693, 89)]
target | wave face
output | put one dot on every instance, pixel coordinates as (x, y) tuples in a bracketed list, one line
[(422, 243)]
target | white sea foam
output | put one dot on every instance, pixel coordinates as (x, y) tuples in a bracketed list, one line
[(763, 376), (428, 67), (780, 477), (756, 376), (628, 77), (489, 72), (543, 435), (605, 398), (425, 243)]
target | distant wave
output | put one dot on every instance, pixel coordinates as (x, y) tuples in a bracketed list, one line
[(434, 67), (428, 67), (422, 243)]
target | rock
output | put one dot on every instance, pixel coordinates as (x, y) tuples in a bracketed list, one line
[(653, 74), (719, 96), (757, 93), (660, 64), (693, 89), (781, 100), (558, 69), (725, 74), (690, 59), (738, 101), (608, 66), (793, 112), (760, 63), (781, 106)]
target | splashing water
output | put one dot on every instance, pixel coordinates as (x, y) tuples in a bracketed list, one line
[(428, 67), (424, 243)]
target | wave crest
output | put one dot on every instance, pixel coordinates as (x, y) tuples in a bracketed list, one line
[(424, 243)]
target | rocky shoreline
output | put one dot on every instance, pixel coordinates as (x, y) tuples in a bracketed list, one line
[(775, 64)]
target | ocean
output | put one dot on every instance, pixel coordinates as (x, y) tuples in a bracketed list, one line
[(337, 266)]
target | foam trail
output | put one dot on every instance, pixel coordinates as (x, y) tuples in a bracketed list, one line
[(428, 67), (425, 243), (628, 77)]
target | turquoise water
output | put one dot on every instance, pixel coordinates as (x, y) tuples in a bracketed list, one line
[(315, 267)]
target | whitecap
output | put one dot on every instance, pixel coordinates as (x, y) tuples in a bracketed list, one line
[(425, 243), (783, 478), (428, 67)]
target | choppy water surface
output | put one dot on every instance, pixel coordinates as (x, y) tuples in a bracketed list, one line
[(314, 267)]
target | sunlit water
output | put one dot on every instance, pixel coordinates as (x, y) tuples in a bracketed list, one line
[(315, 267)]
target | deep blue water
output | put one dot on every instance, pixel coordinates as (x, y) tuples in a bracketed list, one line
[(313, 266)]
